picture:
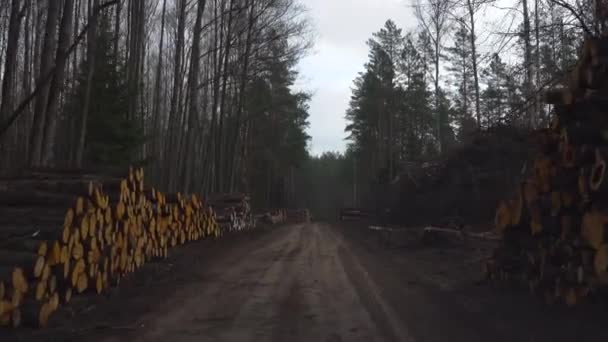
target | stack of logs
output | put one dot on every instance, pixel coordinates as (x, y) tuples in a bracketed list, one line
[(350, 214), (554, 228), (273, 217), (233, 212), (49, 254), (298, 216)]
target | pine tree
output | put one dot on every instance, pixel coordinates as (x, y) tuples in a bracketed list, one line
[(279, 119), (461, 72)]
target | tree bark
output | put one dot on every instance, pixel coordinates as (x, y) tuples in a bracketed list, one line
[(91, 53), (192, 89), (157, 100), (219, 155), (46, 64), (537, 100), (27, 74), (10, 62), (528, 62), (117, 33), (57, 84), (471, 7), (173, 106)]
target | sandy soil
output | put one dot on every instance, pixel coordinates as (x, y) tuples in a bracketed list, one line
[(317, 282)]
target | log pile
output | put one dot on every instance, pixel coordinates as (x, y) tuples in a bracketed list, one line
[(353, 214), (233, 212), (111, 228), (278, 216), (298, 216), (554, 228)]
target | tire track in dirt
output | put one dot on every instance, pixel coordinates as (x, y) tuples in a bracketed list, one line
[(298, 283), (211, 303)]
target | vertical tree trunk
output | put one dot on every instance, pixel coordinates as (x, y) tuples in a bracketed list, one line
[(10, 62), (134, 57), (215, 57), (27, 76), (57, 84), (439, 121), (157, 97), (117, 32), (537, 100), (46, 63), (528, 63), (38, 39), (173, 106), (242, 92), (75, 33), (91, 53), (219, 153), (471, 7), (10, 77), (193, 89)]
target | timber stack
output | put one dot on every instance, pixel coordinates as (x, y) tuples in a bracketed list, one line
[(354, 214), (64, 234), (555, 239), (273, 217), (233, 212), (298, 216)]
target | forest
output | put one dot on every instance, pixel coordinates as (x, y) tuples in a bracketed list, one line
[(201, 92), (198, 92)]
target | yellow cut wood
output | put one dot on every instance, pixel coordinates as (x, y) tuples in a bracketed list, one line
[(43, 248), (600, 261), (79, 206), (592, 229), (19, 280)]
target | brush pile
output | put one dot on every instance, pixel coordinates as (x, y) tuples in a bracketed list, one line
[(554, 228)]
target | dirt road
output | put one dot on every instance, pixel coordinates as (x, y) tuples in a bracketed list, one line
[(291, 286), (317, 282)]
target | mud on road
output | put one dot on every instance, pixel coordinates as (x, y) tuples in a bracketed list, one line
[(317, 282)]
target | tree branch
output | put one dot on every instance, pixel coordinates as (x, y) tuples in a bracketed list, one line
[(8, 122)]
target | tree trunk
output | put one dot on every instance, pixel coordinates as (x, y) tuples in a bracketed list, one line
[(27, 74), (57, 84), (10, 141), (46, 63), (10, 63), (192, 89), (528, 63), (117, 33), (134, 59), (537, 100), (215, 58), (219, 155), (173, 106), (439, 121), (157, 100), (91, 52), (474, 60)]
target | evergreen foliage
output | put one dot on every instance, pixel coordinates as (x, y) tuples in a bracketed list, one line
[(113, 137)]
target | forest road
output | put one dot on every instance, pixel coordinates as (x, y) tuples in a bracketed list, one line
[(299, 283), (320, 283)]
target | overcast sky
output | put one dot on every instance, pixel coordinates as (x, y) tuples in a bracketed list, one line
[(342, 28)]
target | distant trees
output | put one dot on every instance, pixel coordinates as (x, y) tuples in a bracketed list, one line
[(325, 184), (173, 85)]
